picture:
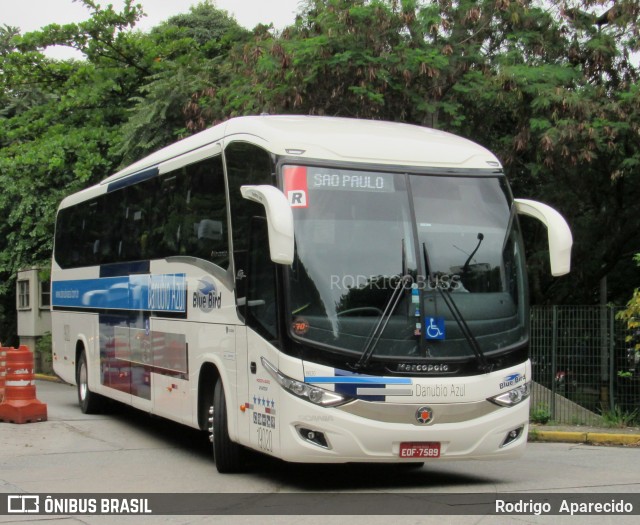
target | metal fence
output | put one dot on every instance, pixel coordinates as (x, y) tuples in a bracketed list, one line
[(585, 370)]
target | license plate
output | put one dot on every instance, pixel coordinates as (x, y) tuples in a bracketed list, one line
[(420, 450)]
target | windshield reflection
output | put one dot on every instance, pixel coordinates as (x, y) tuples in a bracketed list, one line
[(357, 233)]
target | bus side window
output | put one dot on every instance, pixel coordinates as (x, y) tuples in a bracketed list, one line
[(246, 164), (182, 212), (166, 227), (135, 219), (69, 243), (188, 215), (204, 233)]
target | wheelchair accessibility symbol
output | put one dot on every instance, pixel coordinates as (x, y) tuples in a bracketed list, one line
[(434, 328)]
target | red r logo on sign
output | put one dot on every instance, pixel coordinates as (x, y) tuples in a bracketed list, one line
[(295, 185)]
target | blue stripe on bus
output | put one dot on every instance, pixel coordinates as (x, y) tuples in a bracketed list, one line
[(358, 380), (156, 293), (132, 179)]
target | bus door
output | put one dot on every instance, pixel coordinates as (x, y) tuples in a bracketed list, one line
[(261, 341)]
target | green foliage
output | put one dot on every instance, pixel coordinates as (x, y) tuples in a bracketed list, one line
[(540, 414), (618, 418), (632, 313), (68, 124), (631, 316), (179, 98), (44, 345), (549, 87), (103, 38)]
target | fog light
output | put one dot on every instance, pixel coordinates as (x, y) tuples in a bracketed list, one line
[(313, 436), (512, 435)]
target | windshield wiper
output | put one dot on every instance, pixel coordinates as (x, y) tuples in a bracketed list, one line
[(465, 267), (457, 315), (383, 320), (466, 331)]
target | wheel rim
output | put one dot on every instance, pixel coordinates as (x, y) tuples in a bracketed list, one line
[(210, 428), (82, 381)]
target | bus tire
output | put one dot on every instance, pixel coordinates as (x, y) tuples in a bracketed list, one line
[(90, 402), (226, 453)]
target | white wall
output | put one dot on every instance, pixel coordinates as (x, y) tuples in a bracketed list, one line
[(35, 320)]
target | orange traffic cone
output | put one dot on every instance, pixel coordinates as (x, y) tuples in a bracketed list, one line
[(3, 370), (20, 404)]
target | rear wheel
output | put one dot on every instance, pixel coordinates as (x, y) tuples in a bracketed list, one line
[(227, 454), (90, 402)]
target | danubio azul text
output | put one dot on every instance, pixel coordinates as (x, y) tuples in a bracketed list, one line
[(167, 293)]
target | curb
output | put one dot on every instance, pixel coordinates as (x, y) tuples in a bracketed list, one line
[(600, 438), (45, 377)]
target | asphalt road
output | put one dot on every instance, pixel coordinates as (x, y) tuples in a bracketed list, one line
[(126, 451)]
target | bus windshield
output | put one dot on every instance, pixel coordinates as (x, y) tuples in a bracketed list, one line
[(450, 242)]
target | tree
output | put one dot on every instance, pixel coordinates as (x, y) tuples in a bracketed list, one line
[(632, 313), (575, 144), (68, 124), (60, 121), (631, 316), (179, 98)]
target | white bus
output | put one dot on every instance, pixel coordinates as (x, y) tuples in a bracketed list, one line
[(316, 289)]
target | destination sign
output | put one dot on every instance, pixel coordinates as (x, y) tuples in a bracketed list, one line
[(333, 179)]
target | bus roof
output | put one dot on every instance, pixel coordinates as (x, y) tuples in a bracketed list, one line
[(334, 139), (321, 138)]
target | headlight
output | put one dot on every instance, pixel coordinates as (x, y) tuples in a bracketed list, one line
[(313, 394), (512, 397)]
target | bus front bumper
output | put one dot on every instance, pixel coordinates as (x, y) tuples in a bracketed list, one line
[(348, 434)]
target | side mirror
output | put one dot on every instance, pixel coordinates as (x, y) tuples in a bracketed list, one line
[(279, 220), (560, 238)]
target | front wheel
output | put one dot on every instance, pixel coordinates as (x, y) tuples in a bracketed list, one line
[(90, 402), (227, 454)]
